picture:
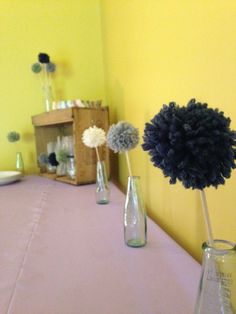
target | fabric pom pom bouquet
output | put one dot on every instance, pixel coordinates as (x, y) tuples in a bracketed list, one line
[(44, 69), (194, 145), (123, 137), (94, 137)]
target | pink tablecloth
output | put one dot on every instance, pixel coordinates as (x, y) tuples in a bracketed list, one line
[(60, 253)]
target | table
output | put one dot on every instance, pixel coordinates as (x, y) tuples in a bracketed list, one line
[(61, 253)]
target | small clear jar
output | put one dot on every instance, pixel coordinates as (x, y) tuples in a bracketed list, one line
[(71, 167)]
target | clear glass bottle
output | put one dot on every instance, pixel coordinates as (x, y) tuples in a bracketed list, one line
[(19, 162), (217, 289), (102, 190), (61, 169), (51, 168), (135, 225), (71, 167), (48, 97)]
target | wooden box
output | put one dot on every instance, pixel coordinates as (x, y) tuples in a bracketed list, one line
[(73, 121)]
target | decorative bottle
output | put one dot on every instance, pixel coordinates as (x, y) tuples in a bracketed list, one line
[(48, 97), (71, 167), (19, 162), (102, 190), (135, 225), (217, 289)]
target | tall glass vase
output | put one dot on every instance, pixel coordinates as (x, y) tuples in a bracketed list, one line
[(48, 97), (61, 169), (19, 162), (102, 190), (135, 225), (217, 289)]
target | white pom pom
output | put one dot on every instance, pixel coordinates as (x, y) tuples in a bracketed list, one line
[(93, 137)]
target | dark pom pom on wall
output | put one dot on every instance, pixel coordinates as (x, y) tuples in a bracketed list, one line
[(192, 144)]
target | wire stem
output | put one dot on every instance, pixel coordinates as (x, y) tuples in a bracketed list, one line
[(98, 157), (206, 218), (128, 163)]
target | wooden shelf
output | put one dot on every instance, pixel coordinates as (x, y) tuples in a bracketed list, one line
[(53, 117), (73, 121)]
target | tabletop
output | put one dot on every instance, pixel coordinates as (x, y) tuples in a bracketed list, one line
[(61, 253)]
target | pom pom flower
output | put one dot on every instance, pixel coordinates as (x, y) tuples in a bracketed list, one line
[(192, 144), (52, 159), (44, 69), (61, 155), (43, 57), (123, 137), (13, 136), (94, 137), (42, 159), (50, 67), (36, 67)]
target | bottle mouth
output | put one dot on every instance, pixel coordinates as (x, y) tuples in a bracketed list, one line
[(220, 246), (134, 177)]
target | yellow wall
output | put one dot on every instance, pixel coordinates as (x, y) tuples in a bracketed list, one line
[(153, 52), (168, 50), (70, 32)]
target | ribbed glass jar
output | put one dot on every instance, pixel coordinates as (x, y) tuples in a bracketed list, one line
[(217, 289)]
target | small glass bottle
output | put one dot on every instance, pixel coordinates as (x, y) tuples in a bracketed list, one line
[(19, 162), (102, 190), (51, 168), (217, 289), (48, 97), (135, 225), (61, 169), (71, 167)]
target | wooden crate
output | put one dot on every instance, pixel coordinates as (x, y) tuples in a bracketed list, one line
[(73, 121)]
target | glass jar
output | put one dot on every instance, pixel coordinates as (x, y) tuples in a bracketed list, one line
[(19, 162), (61, 169), (217, 289), (135, 225), (102, 190), (51, 168), (48, 97), (71, 167)]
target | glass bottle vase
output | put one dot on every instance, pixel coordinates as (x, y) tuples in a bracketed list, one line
[(47, 97), (19, 162), (71, 167), (102, 189), (61, 169), (135, 225), (217, 289)]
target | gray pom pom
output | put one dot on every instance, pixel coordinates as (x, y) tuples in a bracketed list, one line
[(51, 67), (43, 159), (13, 136), (122, 136), (36, 67)]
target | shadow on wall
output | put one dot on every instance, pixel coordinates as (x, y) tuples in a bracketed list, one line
[(116, 109), (64, 70), (28, 137)]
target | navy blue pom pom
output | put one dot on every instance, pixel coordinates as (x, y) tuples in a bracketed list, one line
[(43, 57), (192, 144), (52, 159)]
